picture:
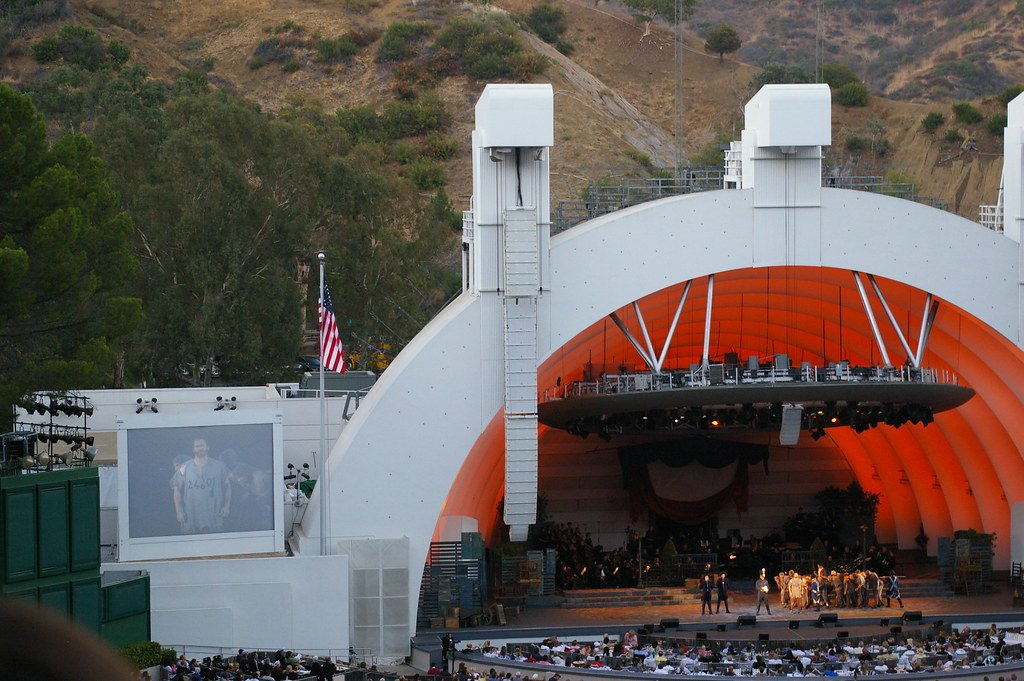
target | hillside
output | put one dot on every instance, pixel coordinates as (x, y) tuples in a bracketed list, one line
[(614, 94)]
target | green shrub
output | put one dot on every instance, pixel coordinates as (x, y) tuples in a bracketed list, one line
[(256, 63), (404, 152), (440, 146), (361, 122), (1009, 93), (642, 159), (402, 119), (333, 50), (46, 50), (996, 124), (364, 36), (967, 114), (932, 121), (455, 36), (779, 74), (564, 46), (547, 21), (82, 46), (853, 94), (143, 654), (838, 75), (855, 143), (881, 146), (118, 52), (194, 44), (953, 136), (426, 173), (401, 41), (291, 66)]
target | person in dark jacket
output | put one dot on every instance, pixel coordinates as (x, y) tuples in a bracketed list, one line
[(707, 587), (723, 593)]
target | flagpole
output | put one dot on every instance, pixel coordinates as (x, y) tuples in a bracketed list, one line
[(322, 482)]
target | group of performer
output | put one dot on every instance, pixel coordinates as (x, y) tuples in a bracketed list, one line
[(822, 589)]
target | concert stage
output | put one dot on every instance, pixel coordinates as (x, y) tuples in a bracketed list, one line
[(539, 621)]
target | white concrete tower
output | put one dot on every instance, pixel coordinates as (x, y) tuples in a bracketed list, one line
[(505, 248)]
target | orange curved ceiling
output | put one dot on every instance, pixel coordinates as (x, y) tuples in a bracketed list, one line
[(964, 470)]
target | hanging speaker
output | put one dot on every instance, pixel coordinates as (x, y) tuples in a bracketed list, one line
[(792, 422)]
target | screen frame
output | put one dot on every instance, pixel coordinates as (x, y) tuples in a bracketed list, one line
[(198, 545)]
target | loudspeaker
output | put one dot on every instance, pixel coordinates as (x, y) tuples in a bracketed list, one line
[(884, 622), (702, 635), (749, 620), (763, 637), (720, 627), (670, 623), (843, 634), (895, 630), (794, 624), (827, 618), (912, 616), (792, 421)]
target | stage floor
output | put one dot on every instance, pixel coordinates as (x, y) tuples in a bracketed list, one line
[(539, 621)]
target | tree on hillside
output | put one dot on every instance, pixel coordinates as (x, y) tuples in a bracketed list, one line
[(64, 258), (672, 11), (721, 39)]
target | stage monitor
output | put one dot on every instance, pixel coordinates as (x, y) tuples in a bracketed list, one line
[(794, 624), (843, 634), (749, 620), (912, 616), (828, 618), (670, 623), (895, 630), (763, 637), (720, 627), (200, 484), (702, 635)]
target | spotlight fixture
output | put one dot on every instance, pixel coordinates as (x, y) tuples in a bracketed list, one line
[(143, 405), (90, 453), (233, 403), (221, 405)]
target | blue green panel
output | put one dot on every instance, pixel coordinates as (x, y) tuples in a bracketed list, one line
[(22, 594), (120, 633), (56, 597), (53, 529), (125, 598), (85, 523), (18, 507), (86, 603)]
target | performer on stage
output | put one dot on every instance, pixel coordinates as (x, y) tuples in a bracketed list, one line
[(707, 587), (761, 586), (893, 591), (723, 593)]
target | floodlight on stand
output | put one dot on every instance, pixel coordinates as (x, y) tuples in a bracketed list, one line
[(63, 457), (138, 409), (27, 462), (234, 403), (90, 453), (220, 403), (43, 459), (152, 405)]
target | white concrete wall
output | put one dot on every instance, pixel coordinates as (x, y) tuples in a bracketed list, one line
[(297, 603)]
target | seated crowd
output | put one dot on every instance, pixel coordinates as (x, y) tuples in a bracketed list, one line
[(257, 666), (938, 651)]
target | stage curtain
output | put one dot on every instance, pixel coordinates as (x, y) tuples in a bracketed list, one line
[(635, 460)]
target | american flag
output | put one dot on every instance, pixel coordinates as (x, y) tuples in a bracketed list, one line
[(332, 353)]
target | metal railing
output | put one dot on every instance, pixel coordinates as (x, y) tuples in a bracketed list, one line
[(991, 217), (720, 374), (601, 199)]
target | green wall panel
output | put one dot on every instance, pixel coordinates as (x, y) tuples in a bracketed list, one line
[(126, 630), (56, 597), (22, 594), (126, 598), (54, 529), (87, 603), (18, 507), (85, 522)]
